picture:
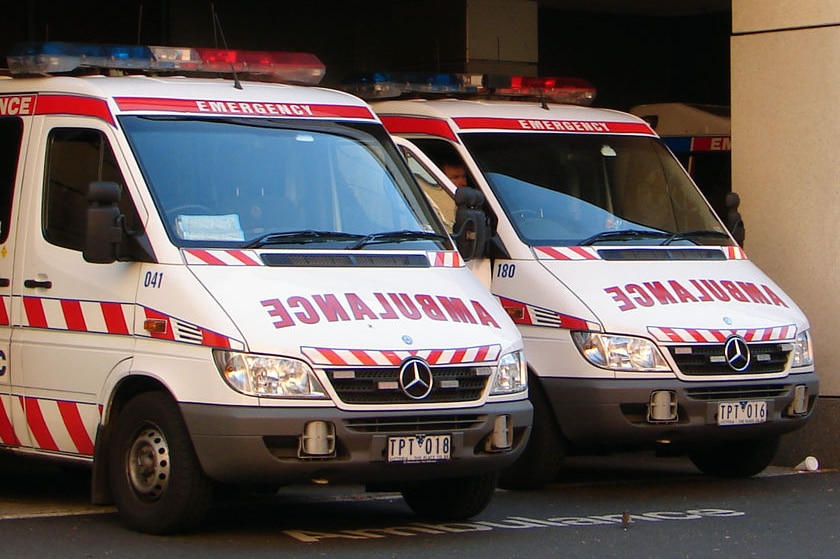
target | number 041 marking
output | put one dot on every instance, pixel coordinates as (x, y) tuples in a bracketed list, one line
[(153, 279)]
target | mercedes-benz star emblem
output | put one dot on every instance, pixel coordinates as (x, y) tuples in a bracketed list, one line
[(416, 378), (737, 353)]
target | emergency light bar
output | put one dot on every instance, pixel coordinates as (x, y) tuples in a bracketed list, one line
[(385, 85), (58, 57)]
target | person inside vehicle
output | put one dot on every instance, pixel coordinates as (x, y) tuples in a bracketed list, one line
[(456, 171)]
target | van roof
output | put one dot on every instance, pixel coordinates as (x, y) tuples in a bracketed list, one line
[(184, 89)]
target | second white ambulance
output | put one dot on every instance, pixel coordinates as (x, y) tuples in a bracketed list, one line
[(209, 281), (645, 324)]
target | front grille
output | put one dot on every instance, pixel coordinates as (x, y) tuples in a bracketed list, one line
[(711, 393), (700, 360), (380, 385), (418, 424)]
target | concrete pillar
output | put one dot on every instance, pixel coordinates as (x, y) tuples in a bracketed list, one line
[(785, 130)]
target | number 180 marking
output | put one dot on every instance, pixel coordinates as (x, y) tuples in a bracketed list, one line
[(505, 270)]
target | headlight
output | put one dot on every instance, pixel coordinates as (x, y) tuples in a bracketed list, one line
[(263, 375), (803, 353), (620, 353), (511, 374)]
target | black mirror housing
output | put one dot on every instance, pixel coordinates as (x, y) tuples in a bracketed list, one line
[(471, 231), (103, 232)]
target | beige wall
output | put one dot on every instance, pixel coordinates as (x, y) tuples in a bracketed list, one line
[(785, 163), (502, 36)]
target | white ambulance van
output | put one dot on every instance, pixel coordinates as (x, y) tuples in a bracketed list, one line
[(645, 324), (205, 280)]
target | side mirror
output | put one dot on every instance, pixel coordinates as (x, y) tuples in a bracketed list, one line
[(470, 231), (734, 222), (103, 232)]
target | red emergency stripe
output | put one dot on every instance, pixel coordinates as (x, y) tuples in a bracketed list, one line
[(349, 357), (567, 253), (704, 335), (213, 339), (4, 313), (7, 432), (37, 424), (75, 427), (34, 308), (73, 315), (450, 259), (114, 318), (244, 108), (206, 257), (562, 126), (244, 258), (735, 253), (418, 125), (73, 105)]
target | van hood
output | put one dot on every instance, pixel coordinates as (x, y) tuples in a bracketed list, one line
[(300, 311), (717, 295)]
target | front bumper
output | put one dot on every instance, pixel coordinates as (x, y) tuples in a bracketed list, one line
[(614, 413), (261, 445)]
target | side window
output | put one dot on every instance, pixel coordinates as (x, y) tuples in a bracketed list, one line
[(439, 197), (11, 133), (75, 158)]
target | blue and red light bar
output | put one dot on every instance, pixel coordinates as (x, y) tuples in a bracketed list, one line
[(385, 85), (60, 58)]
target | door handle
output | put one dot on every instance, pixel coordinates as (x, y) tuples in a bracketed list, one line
[(31, 283), (5, 282)]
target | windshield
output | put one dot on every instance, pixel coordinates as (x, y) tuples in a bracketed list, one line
[(285, 183), (566, 190)]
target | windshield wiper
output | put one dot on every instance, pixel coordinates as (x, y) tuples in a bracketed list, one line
[(395, 237), (301, 237), (689, 235), (623, 235)]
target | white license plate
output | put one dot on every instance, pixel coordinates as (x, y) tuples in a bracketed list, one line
[(742, 413), (419, 448)]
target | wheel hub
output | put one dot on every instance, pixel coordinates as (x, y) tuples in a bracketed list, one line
[(148, 464)]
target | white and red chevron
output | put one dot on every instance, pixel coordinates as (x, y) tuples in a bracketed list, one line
[(374, 358), (222, 257), (445, 259), (54, 425), (700, 335), (566, 253)]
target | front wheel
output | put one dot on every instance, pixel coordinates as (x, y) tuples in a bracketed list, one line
[(451, 499), (735, 459), (157, 482)]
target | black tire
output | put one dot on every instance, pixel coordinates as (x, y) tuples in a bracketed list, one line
[(540, 462), (452, 498), (735, 459), (157, 482)]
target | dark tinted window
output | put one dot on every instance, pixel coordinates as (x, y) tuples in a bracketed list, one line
[(75, 158), (11, 132)]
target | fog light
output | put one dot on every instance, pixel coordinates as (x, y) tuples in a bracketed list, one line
[(799, 405), (500, 439), (662, 406), (318, 439)]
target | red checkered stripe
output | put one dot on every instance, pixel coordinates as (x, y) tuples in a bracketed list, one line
[(567, 253), (80, 316), (101, 317), (735, 253), (374, 358), (5, 301), (55, 425), (695, 335), (222, 257), (445, 259)]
